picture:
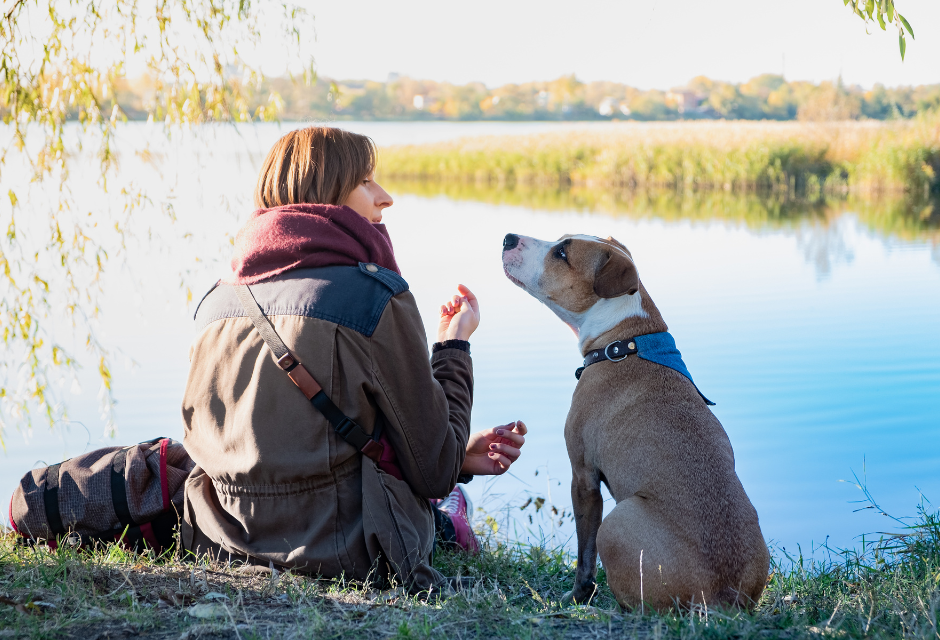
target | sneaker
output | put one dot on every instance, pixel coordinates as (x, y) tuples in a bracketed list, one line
[(457, 507)]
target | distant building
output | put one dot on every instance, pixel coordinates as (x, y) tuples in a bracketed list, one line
[(683, 100), (392, 77), (418, 102), (606, 107)]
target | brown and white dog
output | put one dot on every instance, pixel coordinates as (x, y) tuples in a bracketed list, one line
[(683, 531)]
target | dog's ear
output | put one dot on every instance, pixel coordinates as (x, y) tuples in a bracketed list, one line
[(616, 276), (617, 243)]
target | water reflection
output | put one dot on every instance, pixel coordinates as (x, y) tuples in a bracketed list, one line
[(819, 224), (813, 324)]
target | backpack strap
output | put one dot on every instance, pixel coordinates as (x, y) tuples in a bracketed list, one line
[(50, 500), (119, 490), (164, 480), (345, 428)]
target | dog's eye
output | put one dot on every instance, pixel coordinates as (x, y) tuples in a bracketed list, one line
[(561, 254)]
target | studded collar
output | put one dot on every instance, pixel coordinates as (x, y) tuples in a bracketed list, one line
[(615, 352), (654, 347)]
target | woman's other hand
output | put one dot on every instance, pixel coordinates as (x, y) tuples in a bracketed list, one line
[(491, 452), (460, 316)]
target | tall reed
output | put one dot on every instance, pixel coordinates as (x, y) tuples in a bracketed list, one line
[(802, 157)]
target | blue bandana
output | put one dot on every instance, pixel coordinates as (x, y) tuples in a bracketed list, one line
[(655, 347)]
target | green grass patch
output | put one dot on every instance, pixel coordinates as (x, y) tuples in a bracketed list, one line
[(886, 588)]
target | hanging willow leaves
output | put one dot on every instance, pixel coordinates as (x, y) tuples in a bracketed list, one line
[(884, 13), (62, 66)]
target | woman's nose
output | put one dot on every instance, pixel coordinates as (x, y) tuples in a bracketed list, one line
[(383, 200), (510, 241)]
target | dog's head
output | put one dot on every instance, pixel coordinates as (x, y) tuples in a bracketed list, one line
[(590, 283)]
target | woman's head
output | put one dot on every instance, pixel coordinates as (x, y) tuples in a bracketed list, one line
[(322, 165)]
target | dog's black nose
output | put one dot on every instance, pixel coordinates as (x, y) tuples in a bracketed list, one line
[(510, 241)]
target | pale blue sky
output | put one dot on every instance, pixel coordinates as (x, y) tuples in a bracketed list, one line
[(645, 44)]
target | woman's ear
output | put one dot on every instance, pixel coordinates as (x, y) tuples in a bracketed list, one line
[(616, 276)]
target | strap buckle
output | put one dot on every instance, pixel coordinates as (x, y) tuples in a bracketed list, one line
[(352, 433), (287, 362), (617, 347)]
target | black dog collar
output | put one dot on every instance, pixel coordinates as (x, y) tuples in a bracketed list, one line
[(615, 352)]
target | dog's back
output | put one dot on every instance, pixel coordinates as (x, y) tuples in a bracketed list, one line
[(647, 432)]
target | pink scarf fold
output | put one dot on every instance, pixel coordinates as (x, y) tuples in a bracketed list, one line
[(295, 236)]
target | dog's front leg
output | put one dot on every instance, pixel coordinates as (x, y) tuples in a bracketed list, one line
[(588, 507)]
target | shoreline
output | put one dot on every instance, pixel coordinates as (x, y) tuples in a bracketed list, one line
[(883, 589)]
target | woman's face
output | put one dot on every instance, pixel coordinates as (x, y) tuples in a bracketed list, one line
[(369, 200)]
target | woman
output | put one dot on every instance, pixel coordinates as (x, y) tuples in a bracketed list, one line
[(275, 481)]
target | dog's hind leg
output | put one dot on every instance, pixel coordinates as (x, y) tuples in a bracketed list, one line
[(672, 568), (588, 507)]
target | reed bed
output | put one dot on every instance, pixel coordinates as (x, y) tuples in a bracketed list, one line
[(789, 157)]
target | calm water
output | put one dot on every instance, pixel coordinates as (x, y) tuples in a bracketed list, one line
[(818, 336)]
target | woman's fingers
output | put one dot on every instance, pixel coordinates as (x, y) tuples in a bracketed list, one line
[(509, 451), (471, 299), (449, 308), (501, 460), (508, 437)]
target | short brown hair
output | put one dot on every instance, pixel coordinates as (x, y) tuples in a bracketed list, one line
[(317, 165)]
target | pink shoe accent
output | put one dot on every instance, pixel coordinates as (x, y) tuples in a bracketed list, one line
[(457, 506)]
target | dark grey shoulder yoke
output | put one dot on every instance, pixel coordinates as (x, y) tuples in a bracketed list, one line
[(353, 297)]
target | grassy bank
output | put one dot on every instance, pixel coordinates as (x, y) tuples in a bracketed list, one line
[(886, 589), (787, 157), (908, 217)]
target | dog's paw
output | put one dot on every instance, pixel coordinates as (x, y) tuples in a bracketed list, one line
[(581, 594)]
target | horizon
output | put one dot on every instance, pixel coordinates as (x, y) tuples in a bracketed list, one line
[(402, 76)]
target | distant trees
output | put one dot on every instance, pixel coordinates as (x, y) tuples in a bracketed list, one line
[(830, 101), (766, 96)]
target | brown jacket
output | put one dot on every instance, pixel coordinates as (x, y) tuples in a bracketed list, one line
[(274, 483)]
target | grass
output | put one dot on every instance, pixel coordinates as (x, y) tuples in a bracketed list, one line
[(787, 157), (884, 589)]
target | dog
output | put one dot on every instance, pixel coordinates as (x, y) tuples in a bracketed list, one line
[(683, 531)]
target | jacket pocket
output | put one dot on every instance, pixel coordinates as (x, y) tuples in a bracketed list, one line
[(398, 527)]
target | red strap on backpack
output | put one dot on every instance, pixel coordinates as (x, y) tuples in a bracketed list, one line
[(164, 481), (12, 521)]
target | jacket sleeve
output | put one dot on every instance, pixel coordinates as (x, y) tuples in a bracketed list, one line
[(426, 403)]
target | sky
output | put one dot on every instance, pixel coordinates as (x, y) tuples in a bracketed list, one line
[(661, 44)]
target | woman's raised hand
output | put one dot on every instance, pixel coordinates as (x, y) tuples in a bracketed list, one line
[(491, 452), (460, 316)]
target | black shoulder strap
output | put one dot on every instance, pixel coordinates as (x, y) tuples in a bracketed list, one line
[(119, 489), (50, 500), (347, 429)]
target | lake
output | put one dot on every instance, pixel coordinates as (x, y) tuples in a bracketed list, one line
[(815, 328)]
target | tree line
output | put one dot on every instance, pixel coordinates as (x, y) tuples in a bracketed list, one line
[(765, 97)]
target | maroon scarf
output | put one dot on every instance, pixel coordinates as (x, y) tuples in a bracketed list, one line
[(295, 236)]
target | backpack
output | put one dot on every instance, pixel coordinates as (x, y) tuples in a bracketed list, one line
[(128, 494)]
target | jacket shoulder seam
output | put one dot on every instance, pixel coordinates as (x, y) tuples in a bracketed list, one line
[(389, 278)]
